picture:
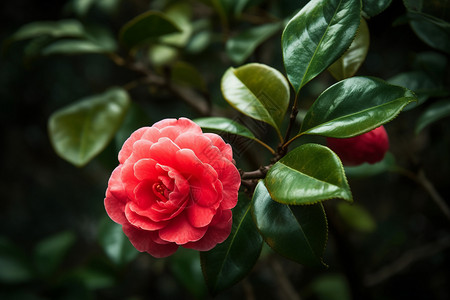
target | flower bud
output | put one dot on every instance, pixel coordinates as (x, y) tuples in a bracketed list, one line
[(369, 147)]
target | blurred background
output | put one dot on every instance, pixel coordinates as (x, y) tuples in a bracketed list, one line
[(56, 241)]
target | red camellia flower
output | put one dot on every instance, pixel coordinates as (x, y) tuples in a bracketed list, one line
[(175, 186), (368, 147)]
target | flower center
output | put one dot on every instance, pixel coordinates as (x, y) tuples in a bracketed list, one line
[(160, 191)]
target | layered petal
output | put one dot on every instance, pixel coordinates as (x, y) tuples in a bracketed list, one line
[(116, 197), (218, 232), (144, 241), (180, 231)]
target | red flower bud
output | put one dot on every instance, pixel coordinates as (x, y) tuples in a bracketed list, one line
[(368, 147)]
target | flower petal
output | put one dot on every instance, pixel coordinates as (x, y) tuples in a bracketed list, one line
[(202, 147), (127, 147), (223, 147), (145, 169), (231, 181), (140, 220), (144, 241), (200, 216), (184, 124), (116, 198), (217, 232), (164, 152), (180, 231)]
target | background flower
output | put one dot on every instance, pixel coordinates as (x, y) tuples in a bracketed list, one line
[(369, 147)]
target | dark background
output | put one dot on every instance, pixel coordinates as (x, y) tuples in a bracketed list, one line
[(42, 195)]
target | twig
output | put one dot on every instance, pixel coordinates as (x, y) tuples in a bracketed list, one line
[(405, 260), (256, 174), (421, 179), (286, 287)]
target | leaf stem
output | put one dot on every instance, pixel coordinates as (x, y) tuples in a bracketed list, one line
[(292, 118), (265, 146)]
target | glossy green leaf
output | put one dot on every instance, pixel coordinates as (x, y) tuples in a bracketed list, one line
[(421, 83), (367, 170), (317, 36), (186, 267), (72, 47), (56, 29), (331, 287), (258, 91), (306, 175), (354, 106), (180, 15), (229, 8), (299, 233), (220, 124), (242, 45), (14, 265), (83, 129), (352, 59), (433, 63), (229, 262), (372, 8), (146, 27), (49, 253), (95, 275), (162, 55), (96, 39), (356, 217), (432, 114), (431, 30), (114, 242), (186, 74)]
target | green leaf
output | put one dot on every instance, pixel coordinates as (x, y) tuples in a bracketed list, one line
[(374, 7), (49, 253), (220, 124), (55, 29), (354, 106), (434, 113), (144, 28), (83, 129), (258, 91), (72, 47), (299, 233), (368, 170), (306, 175), (185, 266), (161, 55), (317, 36), (352, 59), (229, 262), (184, 73), (433, 63), (331, 287), (356, 217), (115, 244), (242, 45), (180, 15), (95, 276), (14, 265), (431, 30), (420, 83)]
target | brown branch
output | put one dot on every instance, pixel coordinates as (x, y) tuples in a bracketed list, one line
[(406, 260), (286, 289), (421, 179), (256, 174)]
